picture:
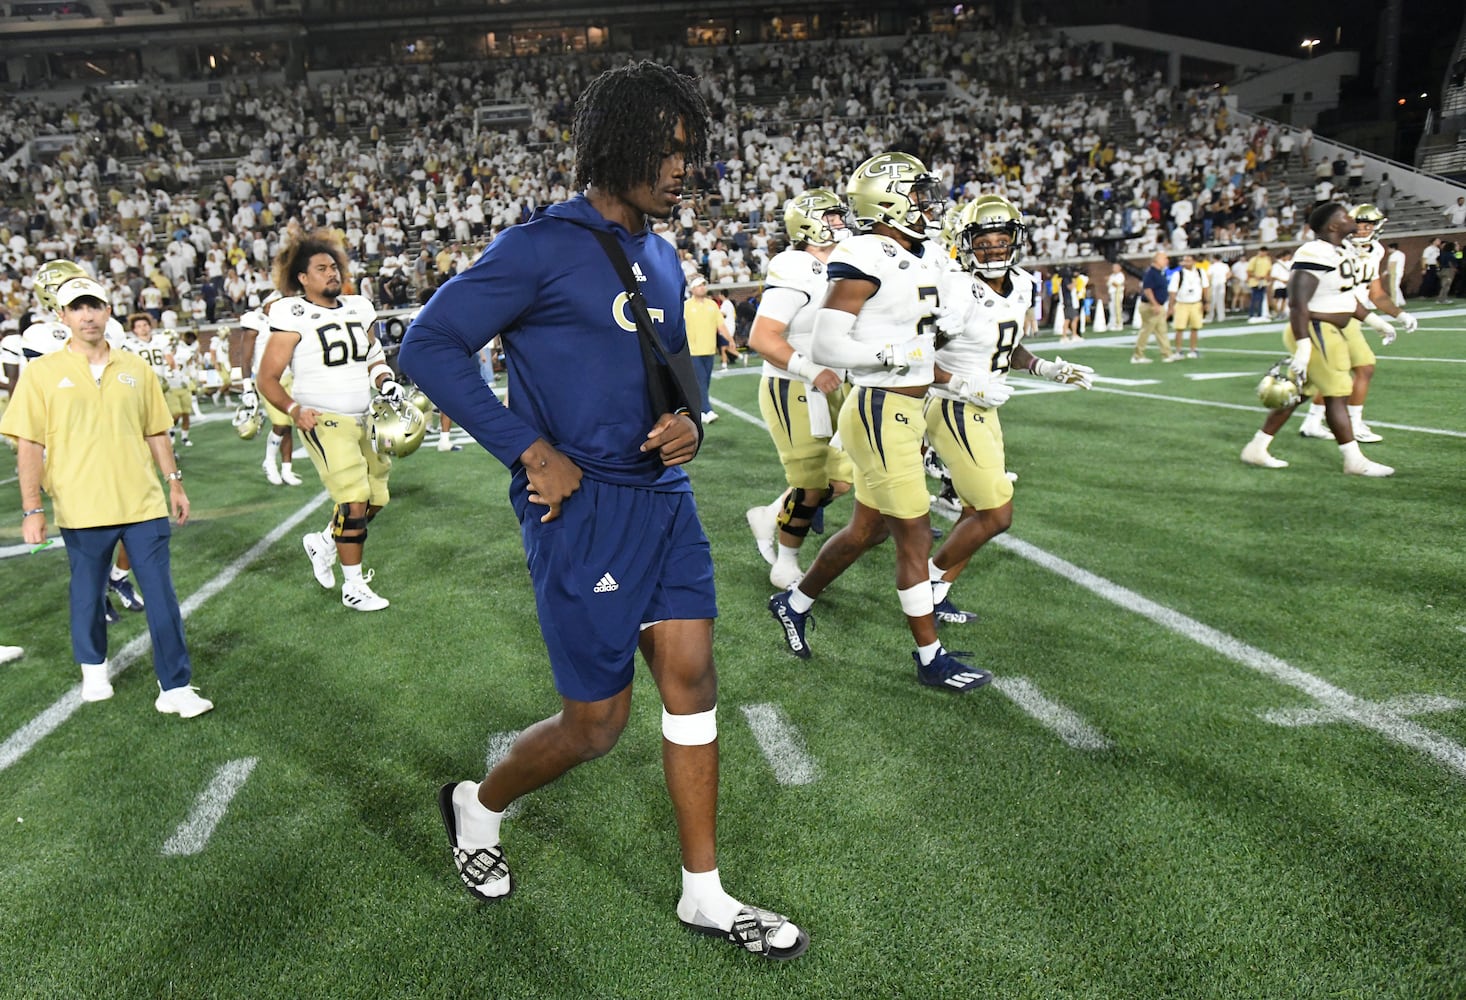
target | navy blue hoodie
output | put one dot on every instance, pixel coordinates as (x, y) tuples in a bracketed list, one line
[(575, 369)]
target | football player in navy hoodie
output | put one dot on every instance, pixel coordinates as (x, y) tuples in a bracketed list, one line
[(618, 558)]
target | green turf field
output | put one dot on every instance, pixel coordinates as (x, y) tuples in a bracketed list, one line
[(1224, 756)]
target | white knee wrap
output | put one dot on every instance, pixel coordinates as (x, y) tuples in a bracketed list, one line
[(690, 730), (916, 602)]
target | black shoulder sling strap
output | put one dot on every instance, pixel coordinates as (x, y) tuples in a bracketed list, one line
[(669, 375)]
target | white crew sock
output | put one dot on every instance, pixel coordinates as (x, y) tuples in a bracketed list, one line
[(118, 574), (285, 467), (928, 653), (350, 573), (272, 449), (788, 554), (800, 601), (1315, 413), (702, 892), (1356, 414), (1262, 439), (478, 825), (1352, 454)]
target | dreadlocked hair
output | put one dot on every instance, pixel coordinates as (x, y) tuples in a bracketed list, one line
[(296, 250), (625, 123)]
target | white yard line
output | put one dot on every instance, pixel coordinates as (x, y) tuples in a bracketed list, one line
[(1376, 717), (193, 833), (1064, 722), (27, 736), (781, 744)]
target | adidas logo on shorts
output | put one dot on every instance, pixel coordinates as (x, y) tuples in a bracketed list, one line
[(606, 584)]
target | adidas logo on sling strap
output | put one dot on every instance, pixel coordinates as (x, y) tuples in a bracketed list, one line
[(606, 584)]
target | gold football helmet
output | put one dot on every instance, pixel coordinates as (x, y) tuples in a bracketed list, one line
[(51, 276), (248, 421), (397, 430), (1279, 388), (990, 213), (1367, 215), (951, 228), (805, 217), (898, 190), (419, 399)]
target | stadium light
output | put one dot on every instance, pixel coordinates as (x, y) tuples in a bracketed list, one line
[(1309, 43)]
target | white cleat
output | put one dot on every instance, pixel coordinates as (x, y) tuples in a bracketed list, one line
[(322, 556), (357, 595), (1253, 455), (8, 653), (1012, 477), (272, 473), (1373, 470), (1364, 435), (785, 575), (1316, 429), (709, 416), (289, 478), (764, 523), (95, 685), (183, 702)]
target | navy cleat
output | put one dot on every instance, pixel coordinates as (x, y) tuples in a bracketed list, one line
[(110, 614), (127, 595), (792, 622), (948, 613), (946, 671)]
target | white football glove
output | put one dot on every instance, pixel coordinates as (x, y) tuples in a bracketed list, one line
[(1377, 322), (950, 321), (981, 392), (1063, 372), (900, 357), (249, 399), (1409, 322), (1298, 363), (392, 391)]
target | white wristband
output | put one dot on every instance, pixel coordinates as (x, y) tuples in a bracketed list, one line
[(802, 366)]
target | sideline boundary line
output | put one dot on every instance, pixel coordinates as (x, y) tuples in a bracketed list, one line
[(24, 739), (1378, 717)]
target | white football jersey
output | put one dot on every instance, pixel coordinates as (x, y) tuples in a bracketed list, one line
[(992, 326), (1337, 274), (1370, 258), (330, 362), (185, 361), (42, 338), (903, 307), (804, 273), (154, 351)]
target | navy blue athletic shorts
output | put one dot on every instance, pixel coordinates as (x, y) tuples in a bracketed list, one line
[(616, 558)]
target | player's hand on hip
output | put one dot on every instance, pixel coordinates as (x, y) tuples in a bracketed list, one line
[(674, 437), (552, 477)]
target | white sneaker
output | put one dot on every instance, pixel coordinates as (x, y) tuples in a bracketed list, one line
[(1364, 435), (322, 556), (1140, 361), (183, 702), (188, 442), (1374, 470), (709, 416), (1254, 455), (289, 478), (764, 523), (355, 594), (1169, 358), (272, 473), (1316, 429), (785, 574), (94, 683), (1193, 355)]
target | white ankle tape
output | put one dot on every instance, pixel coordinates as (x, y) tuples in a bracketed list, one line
[(690, 730), (916, 602)]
